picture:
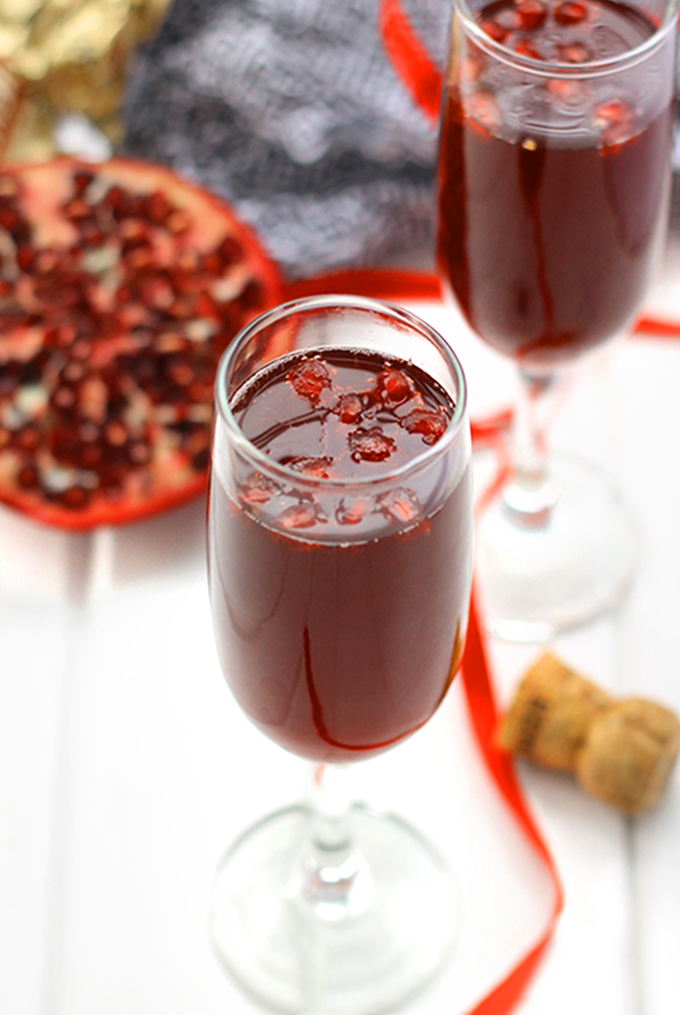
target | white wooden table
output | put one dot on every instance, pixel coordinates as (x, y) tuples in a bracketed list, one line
[(126, 768)]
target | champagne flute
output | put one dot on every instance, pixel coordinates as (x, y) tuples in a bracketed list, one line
[(340, 559), (554, 179)]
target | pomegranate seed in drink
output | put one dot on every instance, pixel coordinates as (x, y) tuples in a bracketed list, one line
[(575, 52), (298, 516), (349, 407), (309, 379), (371, 445), (570, 13), (395, 385), (495, 30), (431, 423), (532, 13)]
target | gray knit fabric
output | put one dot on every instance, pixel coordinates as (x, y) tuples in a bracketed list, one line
[(291, 110)]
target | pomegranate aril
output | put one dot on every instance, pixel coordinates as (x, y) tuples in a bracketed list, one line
[(10, 219), (430, 423), (396, 385), (402, 505), (317, 468), (211, 264), (76, 209), (27, 439), (570, 13), (251, 296), (494, 31), (26, 257), (114, 198), (526, 47), (309, 379), (178, 222), (298, 516), (81, 181), (115, 434), (75, 497), (64, 397), (229, 251), (617, 121), (65, 445), (258, 490), (157, 207), (181, 309), (352, 511), (349, 407), (575, 52), (155, 291), (483, 108), (139, 453), (27, 477), (90, 455), (532, 13), (509, 19), (370, 445), (45, 260), (90, 234), (180, 372)]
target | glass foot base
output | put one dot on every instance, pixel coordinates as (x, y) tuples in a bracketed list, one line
[(365, 952), (536, 582)]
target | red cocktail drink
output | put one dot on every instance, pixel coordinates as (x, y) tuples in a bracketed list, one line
[(553, 184), (340, 608)]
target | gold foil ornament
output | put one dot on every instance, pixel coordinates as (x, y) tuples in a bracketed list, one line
[(68, 57)]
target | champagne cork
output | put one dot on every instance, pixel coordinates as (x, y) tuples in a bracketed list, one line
[(552, 712), (629, 754), (621, 751)]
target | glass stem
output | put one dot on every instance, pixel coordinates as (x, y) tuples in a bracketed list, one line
[(531, 495), (335, 874)]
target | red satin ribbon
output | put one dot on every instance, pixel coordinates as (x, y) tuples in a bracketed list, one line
[(484, 716), (409, 58)]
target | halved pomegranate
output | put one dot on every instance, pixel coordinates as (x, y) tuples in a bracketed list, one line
[(120, 286)]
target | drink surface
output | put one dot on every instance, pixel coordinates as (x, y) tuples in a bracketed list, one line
[(339, 610), (553, 189)]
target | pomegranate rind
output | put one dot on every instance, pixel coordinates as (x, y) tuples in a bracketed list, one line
[(170, 479)]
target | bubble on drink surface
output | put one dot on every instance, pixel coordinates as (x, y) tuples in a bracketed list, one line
[(401, 504), (315, 468), (353, 510), (258, 489), (372, 445), (309, 379), (430, 423)]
